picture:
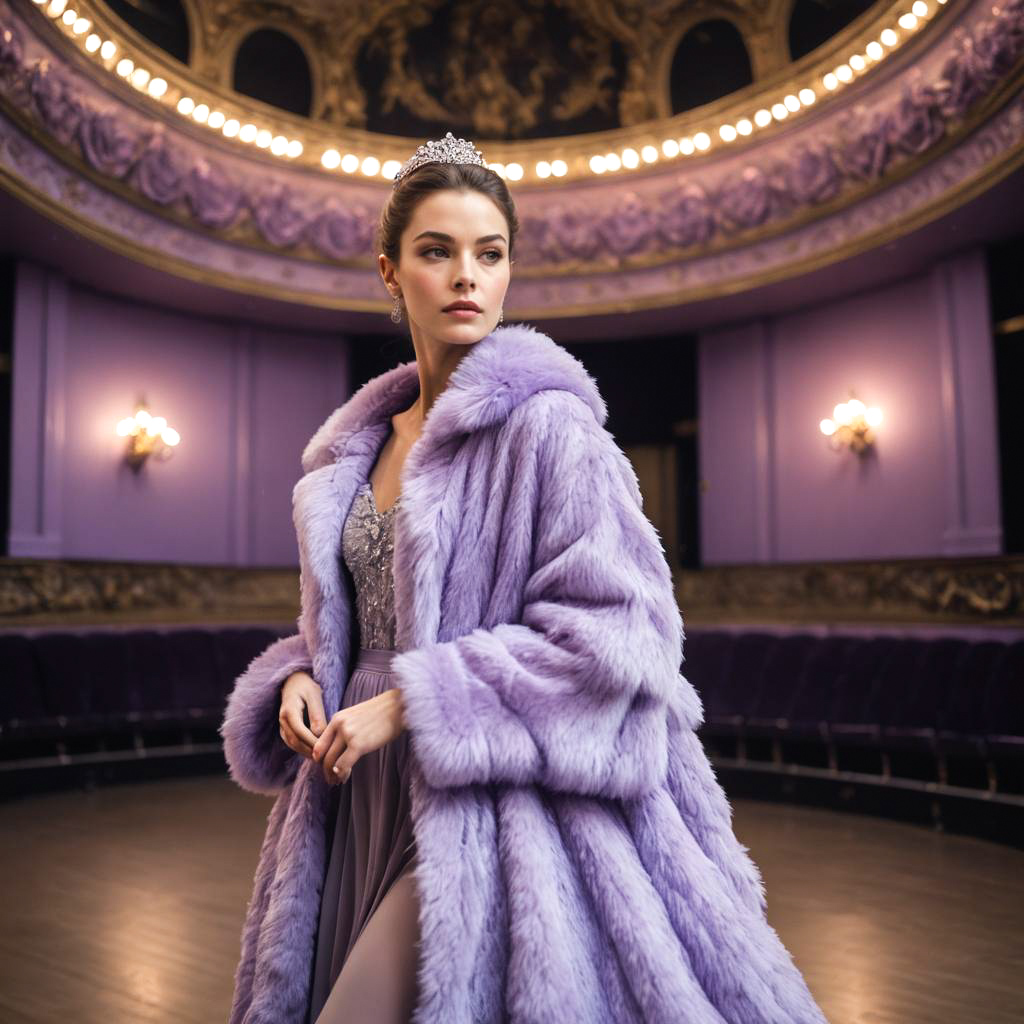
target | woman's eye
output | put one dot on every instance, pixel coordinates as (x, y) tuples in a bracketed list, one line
[(496, 253)]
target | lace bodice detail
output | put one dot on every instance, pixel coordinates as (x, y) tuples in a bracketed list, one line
[(368, 547)]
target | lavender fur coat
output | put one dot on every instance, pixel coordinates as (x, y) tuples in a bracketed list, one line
[(577, 863)]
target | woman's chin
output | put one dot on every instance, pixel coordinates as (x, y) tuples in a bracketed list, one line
[(467, 332)]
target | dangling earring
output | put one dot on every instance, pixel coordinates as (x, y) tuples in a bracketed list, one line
[(501, 315), (396, 311)]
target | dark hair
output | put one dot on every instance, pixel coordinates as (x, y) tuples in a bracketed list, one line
[(430, 178)]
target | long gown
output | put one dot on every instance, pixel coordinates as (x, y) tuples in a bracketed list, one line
[(367, 950)]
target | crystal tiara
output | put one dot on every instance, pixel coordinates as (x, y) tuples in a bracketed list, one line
[(448, 150)]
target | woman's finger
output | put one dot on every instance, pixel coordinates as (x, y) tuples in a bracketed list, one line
[(332, 757), (293, 718), (315, 707)]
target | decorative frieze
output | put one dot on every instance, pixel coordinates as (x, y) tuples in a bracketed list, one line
[(983, 591), (57, 592)]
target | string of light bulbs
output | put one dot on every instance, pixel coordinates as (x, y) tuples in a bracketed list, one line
[(628, 158)]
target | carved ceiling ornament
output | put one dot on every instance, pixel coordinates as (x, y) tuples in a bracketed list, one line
[(494, 71)]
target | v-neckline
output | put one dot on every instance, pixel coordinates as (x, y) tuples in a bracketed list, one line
[(373, 502)]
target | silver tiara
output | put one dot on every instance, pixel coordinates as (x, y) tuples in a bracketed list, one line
[(448, 150)]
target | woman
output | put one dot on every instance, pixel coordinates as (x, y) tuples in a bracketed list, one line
[(502, 811)]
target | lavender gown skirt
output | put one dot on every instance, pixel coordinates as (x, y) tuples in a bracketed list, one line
[(367, 950)]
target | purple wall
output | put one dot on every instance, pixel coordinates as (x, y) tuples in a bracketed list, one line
[(245, 401), (921, 349)]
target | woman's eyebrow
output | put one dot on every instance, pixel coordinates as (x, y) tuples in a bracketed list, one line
[(448, 238)]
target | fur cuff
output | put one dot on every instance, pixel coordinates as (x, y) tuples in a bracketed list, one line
[(257, 757)]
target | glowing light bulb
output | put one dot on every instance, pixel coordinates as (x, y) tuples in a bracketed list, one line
[(828, 428)]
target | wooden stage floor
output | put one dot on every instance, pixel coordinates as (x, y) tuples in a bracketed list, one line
[(125, 905)]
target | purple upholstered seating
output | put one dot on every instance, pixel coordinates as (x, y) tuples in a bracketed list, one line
[(1004, 720), (961, 740)]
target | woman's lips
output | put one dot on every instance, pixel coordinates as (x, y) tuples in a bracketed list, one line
[(463, 314)]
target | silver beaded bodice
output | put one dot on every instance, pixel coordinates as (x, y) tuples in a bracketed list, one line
[(368, 547)]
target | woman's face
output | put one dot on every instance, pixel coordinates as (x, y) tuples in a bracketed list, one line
[(454, 249)]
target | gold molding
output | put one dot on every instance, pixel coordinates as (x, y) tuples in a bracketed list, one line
[(49, 592), (936, 591)]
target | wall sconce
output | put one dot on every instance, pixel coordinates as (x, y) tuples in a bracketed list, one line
[(852, 425), (147, 435)]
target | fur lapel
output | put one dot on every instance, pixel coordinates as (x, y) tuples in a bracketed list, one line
[(496, 375)]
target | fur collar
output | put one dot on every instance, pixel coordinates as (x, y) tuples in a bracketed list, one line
[(499, 372)]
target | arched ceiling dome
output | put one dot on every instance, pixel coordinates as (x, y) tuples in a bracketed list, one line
[(528, 70)]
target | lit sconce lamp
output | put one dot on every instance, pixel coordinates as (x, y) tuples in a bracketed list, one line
[(147, 435), (852, 426)]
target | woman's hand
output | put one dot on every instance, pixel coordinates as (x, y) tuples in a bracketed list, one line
[(358, 730), (301, 693)]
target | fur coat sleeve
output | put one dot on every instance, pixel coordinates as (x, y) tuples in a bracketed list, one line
[(574, 696), (258, 758)]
